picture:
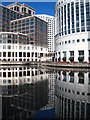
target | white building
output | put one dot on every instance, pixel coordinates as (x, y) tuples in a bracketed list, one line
[(51, 30), (13, 50), (72, 35)]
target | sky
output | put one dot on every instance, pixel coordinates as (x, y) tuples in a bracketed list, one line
[(40, 7)]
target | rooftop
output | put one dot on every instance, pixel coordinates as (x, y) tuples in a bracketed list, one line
[(16, 3)]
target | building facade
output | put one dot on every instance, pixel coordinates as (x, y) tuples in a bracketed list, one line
[(23, 39), (35, 28), (72, 35), (51, 30), (6, 15), (16, 47)]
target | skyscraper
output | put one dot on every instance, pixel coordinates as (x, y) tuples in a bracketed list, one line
[(51, 30)]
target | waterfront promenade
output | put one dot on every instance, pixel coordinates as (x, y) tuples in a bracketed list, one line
[(49, 64)]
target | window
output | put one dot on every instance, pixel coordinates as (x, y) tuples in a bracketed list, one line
[(12, 54), (64, 53), (9, 74), (81, 52), (9, 46), (88, 39), (4, 74), (4, 46), (82, 16), (29, 12), (81, 78), (72, 16), (4, 54), (20, 54), (9, 38), (77, 16), (0, 54), (0, 38), (17, 8), (69, 41), (87, 16), (65, 42), (71, 53), (9, 54), (16, 54), (28, 54), (83, 40), (68, 14), (4, 38), (4, 81), (24, 54), (71, 77), (9, 81), (73, 41), (78, 40)]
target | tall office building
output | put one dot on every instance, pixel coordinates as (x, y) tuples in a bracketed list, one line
[(23, 36), (35, 28), (51, 30), (72, 36)]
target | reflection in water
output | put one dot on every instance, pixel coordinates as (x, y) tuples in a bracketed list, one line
[(24, 90), (72, 95)]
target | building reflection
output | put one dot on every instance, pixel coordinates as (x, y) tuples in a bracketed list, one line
[(23, 90), (72, 95)]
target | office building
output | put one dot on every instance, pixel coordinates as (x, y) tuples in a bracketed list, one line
[(51, 30), (35, 28), (23, 36), (72, 35)]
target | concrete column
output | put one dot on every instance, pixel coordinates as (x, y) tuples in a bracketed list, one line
[(76, 56), (30, 56), (61, 55), (67, 56), (86, 55)]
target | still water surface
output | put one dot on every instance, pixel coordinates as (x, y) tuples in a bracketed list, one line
[(28, 92)]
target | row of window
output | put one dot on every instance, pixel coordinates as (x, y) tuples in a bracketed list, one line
[(21, 54), (20, 47), (20, 73), (73, 41), (80, 14), (72, 91), (16, 8)]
